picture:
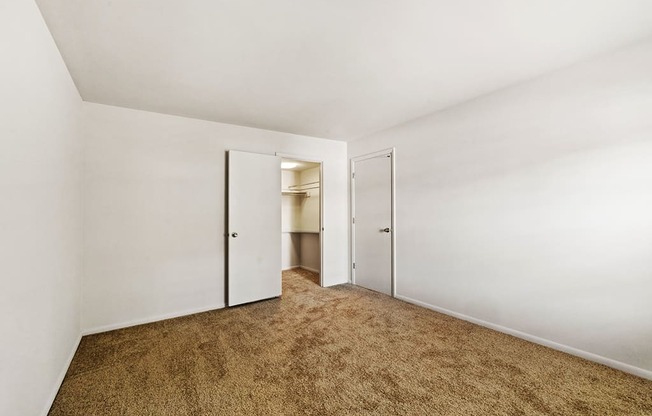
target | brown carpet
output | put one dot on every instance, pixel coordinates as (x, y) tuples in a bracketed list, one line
[(336, 351)]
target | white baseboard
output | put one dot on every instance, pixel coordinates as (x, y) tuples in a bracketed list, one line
[(62, 375), (618, 365), (149, 320), (310, 269), (291, 268)]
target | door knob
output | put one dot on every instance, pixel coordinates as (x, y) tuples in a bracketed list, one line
[(386, 230), (234, 235)]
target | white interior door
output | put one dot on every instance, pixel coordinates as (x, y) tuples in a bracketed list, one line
[(372, 222), (254, 227)]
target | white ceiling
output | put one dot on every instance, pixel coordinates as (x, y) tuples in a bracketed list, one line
[(327, 68), (300, 165)]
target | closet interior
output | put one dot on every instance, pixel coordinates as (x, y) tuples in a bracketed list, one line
[(301, 204)]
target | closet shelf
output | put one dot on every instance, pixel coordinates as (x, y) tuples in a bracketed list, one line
[(304, 186), (304, 194), (300, 189)]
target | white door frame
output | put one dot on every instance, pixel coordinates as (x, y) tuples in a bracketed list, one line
[(392, 153), (321, 205)]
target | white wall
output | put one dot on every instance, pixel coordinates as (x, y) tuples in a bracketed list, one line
[(531, 208), (154, 211), (40, 212)]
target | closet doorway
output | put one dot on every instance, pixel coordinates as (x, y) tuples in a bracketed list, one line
[(301, 215)]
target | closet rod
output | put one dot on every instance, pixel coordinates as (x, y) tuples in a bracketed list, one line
[(303, 189), (304, 184), (291, 192)]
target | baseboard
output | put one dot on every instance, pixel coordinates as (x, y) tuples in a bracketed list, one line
[(618, 365), (310, 269), (291, 268), (62, 375), (149, 320)]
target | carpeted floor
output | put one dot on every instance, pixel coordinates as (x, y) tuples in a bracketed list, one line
[(337, 351)]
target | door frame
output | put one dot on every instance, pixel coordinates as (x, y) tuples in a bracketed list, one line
[(321, 205), (392, 153)]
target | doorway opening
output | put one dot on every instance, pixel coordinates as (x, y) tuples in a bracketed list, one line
[(301, 217)]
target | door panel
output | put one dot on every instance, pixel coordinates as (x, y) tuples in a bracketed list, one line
[(254, 227), (373, 222)]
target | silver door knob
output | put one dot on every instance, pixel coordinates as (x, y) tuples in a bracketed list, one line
[(386, 230), (234, 235)]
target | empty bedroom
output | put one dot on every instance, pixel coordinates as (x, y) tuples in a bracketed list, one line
[(325, 207)]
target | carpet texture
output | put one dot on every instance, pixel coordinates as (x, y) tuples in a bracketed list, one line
[(336, 351)]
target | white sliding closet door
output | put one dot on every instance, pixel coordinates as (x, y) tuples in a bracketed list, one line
[(254, 227)]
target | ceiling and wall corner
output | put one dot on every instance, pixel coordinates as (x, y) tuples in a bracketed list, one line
[(327, 69)]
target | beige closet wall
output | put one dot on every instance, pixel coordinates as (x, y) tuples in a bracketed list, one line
[(300, 238), (291, 215), (309, 214), (310, 252)]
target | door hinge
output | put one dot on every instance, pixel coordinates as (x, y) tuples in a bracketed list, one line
[(354, 220), (354, 265), (353, 175)]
